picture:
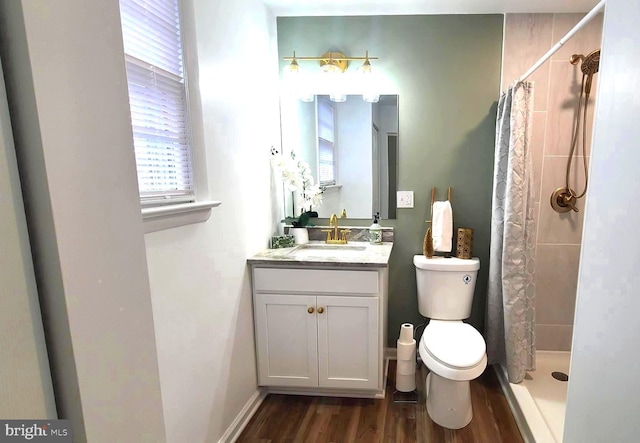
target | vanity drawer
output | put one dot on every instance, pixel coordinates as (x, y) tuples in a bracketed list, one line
[(315, 281)]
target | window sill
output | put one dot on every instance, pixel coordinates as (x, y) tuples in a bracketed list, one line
[(171, 216), (332, 188)]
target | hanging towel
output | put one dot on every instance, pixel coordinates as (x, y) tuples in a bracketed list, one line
[(442, 227)]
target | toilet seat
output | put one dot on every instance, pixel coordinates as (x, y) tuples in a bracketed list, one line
[(454, 343), (453, 349)]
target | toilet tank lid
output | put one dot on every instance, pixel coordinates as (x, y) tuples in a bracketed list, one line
[(451, 264)]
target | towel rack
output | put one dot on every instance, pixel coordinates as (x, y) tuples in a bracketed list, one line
[(427, 245), (433, 199)]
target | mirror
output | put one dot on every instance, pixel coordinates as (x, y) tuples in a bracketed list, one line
[(351, 148)]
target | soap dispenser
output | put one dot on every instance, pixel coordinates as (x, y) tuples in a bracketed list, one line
[(375, 231)]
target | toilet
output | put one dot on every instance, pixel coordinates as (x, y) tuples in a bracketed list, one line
[(453, 351)]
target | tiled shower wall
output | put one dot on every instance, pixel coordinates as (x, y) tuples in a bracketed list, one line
[(557, 87)]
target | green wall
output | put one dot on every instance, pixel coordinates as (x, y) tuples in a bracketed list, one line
[(446, 70)]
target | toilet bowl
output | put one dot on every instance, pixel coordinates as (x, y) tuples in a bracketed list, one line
[(453, 349), (454, 352)]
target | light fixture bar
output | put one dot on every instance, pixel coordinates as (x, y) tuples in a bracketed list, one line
[(295, 57)]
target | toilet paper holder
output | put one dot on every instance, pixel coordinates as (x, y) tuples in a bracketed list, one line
[(406, 391)]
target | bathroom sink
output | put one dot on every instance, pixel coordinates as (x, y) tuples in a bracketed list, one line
[(328, 247), (354, 253), (326, 250)]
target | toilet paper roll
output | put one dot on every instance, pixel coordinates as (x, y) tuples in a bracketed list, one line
[(405, 383), (406, 351), (406, 367), (406, 333)]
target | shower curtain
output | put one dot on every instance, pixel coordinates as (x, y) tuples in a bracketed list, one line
[(510, 325)]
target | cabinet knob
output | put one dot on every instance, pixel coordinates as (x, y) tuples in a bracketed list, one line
[(310, 310), (320, 310)]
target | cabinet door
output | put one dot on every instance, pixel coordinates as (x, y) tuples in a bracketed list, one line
[(286, 338), (348, 342)]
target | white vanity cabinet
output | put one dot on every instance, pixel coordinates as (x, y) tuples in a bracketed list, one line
[(320, 330)]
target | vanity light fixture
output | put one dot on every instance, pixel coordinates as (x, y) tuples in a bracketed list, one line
[(334, 64)]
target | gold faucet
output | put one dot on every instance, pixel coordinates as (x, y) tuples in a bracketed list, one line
[(333, 222)]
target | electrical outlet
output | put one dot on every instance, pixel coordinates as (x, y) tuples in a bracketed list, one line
[(405, 199)]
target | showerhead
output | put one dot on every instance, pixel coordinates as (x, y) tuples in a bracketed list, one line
[(590, 62)]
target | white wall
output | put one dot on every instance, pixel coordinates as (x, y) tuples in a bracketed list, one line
[(331, 202), (603, 397), (387, 122), (198, 273), (25, 387), (355, 162), (298, 136), (67, 91), (307, 143)]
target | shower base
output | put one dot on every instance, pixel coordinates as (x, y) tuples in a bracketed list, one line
[(539, 402)]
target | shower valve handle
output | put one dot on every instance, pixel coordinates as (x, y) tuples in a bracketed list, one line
[(570, 201), (564, 200)]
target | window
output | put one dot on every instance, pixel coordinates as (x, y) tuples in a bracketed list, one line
[(158, 100), (326, 142)]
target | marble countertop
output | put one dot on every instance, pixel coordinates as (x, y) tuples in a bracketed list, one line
[(318, 253)]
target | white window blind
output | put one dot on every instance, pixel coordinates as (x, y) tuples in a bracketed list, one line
[(326, 142), (157, 97)]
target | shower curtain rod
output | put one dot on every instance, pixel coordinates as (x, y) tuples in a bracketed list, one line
[(564, 39)]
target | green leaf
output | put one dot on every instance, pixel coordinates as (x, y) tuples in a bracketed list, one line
[(303, 220)]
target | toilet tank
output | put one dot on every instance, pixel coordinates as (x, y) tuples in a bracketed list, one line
[(445, 286)]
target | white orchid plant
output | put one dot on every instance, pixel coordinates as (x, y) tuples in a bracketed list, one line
[(297, 178)]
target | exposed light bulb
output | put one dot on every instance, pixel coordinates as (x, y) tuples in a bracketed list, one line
[(369, 82), (306, 97), (338, 97), (371, 97), (365, 69), (331, 68), (294, 67)]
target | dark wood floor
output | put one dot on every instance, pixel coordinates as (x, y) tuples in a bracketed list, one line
[(291, 418)]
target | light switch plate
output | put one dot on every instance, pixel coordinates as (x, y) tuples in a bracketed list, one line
[(405, 199)]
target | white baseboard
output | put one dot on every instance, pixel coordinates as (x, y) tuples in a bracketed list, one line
[(240, 422), (391, 353)]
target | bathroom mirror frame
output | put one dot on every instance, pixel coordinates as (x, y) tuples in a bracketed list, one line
[(364, 134)]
